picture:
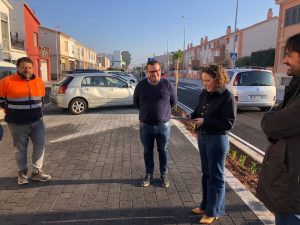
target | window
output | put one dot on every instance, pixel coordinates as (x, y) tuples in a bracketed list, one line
[(254, 78), (5, 34), (292, 16), (114, 82), (95, 81), (35, 39), (66, 46)]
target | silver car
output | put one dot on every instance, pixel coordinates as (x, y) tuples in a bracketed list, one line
[(78, 92), (253, 87), (124, 75)]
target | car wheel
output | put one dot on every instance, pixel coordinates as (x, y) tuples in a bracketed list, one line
[(77, 106), (264, 109)]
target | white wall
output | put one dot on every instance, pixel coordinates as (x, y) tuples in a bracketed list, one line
[(17, 18), (47, 38), (3, 9), (261, 37)]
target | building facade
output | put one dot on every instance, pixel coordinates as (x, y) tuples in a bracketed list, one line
[(289, 25), (66, 53), (39, 55)]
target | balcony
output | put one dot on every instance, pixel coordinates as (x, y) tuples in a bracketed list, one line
[(44, 52)]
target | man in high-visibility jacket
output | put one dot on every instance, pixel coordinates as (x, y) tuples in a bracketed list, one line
[(21, 96)]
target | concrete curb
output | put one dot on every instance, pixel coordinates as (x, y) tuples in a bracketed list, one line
[(250, 200)]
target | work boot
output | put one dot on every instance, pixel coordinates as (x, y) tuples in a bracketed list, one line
[(147, 180), (40, 176), (164, 180), (22, 177)]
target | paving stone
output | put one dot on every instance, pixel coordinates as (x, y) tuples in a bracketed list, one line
[(96, 167)]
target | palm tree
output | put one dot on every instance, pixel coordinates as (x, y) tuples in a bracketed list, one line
[(177, 58)]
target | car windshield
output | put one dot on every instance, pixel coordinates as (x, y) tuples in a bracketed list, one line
[(5, 71), (254, 78)]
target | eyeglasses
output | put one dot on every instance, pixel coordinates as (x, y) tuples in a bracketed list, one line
[(154, 71)]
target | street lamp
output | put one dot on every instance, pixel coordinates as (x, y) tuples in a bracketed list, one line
[(56, 49), (234, 34), (183, 61), (168, 54)]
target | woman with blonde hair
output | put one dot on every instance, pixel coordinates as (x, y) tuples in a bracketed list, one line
[(214, 115)]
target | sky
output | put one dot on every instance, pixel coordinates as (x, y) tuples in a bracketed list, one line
[(147, 28)]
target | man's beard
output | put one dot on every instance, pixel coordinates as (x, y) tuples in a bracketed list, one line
[(293, 71)]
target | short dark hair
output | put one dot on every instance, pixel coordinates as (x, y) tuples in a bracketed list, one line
[(152, 63), (24, 59), (293, 44)]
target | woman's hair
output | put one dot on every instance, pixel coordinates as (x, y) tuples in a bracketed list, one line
[(219, 74)]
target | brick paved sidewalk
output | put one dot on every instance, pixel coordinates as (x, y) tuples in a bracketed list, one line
[(96, 162)]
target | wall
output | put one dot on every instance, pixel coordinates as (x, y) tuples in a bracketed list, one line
[(259, 37)]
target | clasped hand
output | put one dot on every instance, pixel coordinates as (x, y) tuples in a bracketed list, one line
[(199, 121)]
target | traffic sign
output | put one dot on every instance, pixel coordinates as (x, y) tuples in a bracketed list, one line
[(233, 56)]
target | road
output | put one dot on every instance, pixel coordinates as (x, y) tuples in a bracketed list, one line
[(248, 120)]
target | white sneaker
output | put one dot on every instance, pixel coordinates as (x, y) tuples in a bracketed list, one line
[(22, 178)]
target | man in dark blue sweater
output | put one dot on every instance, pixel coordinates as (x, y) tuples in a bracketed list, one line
[(155, 97)]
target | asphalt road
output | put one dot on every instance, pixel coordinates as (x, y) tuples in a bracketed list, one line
[(248, 120)]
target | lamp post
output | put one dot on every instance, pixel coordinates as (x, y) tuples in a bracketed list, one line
[(56, 49), (168, 62), (183, 60), (234, 34)]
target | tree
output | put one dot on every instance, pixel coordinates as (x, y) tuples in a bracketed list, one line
[(126, 57), (263, 58), (243, 61), (177, 57)]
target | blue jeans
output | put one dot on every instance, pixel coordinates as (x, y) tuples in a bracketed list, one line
[(213, 150), (21, 133), (287, 219), (160, 133)]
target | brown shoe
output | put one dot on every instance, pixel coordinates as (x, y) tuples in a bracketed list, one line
[(207, 220), (198, 211)]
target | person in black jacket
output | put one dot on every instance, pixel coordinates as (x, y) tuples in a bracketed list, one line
[(279, 180), (214, 115)]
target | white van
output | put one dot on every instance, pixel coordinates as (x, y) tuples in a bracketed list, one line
[(252, 87), (6, 69)]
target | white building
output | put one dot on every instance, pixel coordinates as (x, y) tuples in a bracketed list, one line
[(116, 61)]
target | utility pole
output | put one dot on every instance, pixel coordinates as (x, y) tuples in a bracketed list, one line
[(234, 34), (183, 61), (56, 49)]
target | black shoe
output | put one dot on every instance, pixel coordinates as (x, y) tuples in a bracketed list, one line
[(164, 180), (147, 180)]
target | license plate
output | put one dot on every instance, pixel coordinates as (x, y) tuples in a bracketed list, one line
[(257, 96)]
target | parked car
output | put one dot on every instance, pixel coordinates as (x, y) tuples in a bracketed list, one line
[(6, 69), (79, 92), (126, 76), (252, 87)]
